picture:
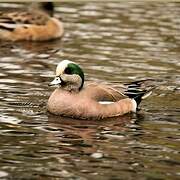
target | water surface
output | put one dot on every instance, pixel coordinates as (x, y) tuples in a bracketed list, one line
[(113, 42)]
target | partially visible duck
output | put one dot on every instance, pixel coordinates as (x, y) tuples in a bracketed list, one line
[(92, 101), (34, 24)]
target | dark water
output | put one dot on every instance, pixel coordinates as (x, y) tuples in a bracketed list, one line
[(112, 42)]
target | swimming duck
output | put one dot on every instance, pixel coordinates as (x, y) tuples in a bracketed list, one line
[(92, 101), (34, 24)]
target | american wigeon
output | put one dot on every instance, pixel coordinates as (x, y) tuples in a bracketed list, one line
[(74, 99), (36, 23)]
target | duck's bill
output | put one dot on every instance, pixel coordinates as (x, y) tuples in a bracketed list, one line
[(56, 81)]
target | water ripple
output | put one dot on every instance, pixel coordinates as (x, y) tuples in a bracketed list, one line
[(112, 41)]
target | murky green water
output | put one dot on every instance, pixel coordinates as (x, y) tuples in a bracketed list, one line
[(113, 42)]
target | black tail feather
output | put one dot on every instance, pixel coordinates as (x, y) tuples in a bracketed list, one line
[(138, 90), (137, 96)]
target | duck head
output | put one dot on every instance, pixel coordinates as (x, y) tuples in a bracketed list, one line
[(47, 7), (69, 76)]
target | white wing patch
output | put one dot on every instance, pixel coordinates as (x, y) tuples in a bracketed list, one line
[(13, 26), (106, 102)]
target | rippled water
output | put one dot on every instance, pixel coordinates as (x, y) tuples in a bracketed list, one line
[(112, 42)]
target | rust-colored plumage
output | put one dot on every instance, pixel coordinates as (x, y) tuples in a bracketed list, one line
[(34, 24)]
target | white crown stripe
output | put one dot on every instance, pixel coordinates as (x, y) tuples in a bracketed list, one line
[(62, 66)]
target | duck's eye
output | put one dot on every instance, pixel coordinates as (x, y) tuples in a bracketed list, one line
[(58, 78), (67, 71)]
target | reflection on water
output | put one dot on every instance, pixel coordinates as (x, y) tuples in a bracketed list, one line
[(113, 42)]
